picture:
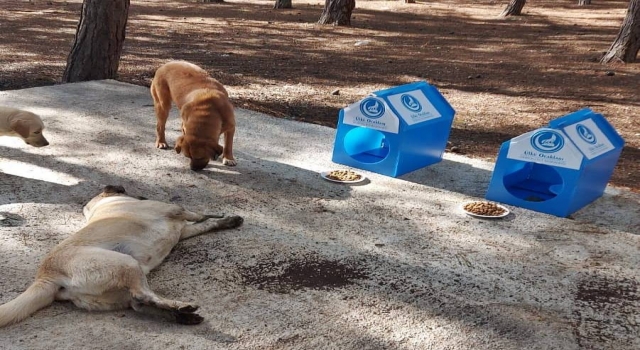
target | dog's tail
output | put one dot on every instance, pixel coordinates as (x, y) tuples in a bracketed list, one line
[(40, 294)]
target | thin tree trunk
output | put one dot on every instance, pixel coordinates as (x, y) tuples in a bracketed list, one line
[(514, 8), (282, 4), (337, 12), (627, 44), (97, 46), (584, 2)]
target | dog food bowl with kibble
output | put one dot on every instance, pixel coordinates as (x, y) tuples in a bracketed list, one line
[(484, 209), (343, 176)]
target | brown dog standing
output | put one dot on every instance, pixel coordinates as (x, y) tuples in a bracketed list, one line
[(205, 111)]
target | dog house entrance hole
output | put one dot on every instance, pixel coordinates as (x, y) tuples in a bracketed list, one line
[(533, 182), (366, 145)]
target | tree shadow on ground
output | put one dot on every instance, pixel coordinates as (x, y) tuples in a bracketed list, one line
[(504, 282)]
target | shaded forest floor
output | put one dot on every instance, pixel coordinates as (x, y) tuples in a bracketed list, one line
[(504, 77)]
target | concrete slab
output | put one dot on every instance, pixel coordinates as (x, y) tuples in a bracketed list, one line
[(390, 264)]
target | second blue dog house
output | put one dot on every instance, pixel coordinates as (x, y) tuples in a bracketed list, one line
[(559, 169), (394, 131)]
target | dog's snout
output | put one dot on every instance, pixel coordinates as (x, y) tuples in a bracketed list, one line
[(196, 167), (38, 143), (198, 163)]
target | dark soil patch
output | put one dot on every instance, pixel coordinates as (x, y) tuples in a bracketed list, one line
[(602, 302), (310, 271)]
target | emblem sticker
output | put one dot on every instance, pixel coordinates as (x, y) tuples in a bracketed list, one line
[(414, 107), (589, 138), (545, 146), (411, 103), (372, 108), (547, 141), (372, 113), (586, 134)]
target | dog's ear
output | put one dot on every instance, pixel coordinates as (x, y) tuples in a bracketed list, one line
[(20, 127), (185, 111), (113, 189), (178, 146), (225, 108), (215, 151)]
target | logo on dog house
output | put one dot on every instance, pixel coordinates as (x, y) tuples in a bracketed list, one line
[(394, 131), (559, 169)]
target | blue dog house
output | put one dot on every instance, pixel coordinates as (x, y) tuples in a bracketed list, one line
[(559, 169), (394, 131)]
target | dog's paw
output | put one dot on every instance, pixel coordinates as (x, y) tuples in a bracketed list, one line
[(188, 318), (229, 162), (161, 145), (188, 309), (231, 221)]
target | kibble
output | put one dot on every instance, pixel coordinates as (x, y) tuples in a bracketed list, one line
[(484, 208), (344, 175)]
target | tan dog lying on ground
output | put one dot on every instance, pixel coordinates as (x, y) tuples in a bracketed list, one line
[(205, 111), (103, 266), (23, 124)]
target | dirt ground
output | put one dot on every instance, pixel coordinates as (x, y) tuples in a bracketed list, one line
[(503, 76), (386, 264)]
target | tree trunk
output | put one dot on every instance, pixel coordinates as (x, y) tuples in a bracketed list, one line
[(282, 4), (627, 44), (514, 8), (337, 12), (584, 2), (98, 42)]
